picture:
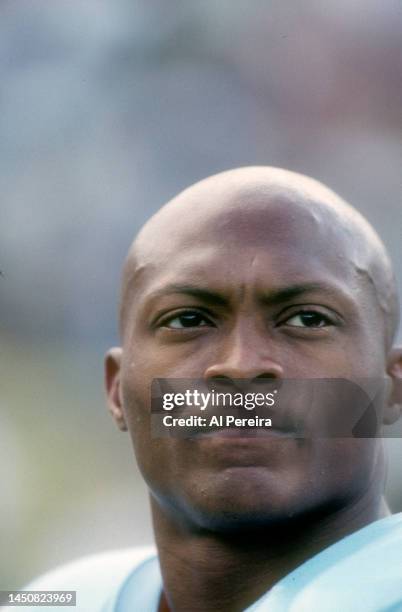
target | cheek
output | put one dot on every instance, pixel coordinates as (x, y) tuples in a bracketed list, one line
[(344, 467), (155, 360), (154, 455), (346, 360), (136, 405)]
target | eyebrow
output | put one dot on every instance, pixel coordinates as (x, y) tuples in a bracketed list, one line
[(284, 294), (206, 295), (271, 297)]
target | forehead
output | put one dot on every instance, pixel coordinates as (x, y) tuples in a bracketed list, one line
[(248, 245), (240, 222)]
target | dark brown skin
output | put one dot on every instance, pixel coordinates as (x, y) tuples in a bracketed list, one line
[(203, 298)]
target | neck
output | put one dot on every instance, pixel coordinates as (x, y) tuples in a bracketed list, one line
[(204, 570)]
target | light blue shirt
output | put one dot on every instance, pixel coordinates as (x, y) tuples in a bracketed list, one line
[(360, 573)]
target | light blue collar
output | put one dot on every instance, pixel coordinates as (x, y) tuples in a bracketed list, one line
[(361, 572)]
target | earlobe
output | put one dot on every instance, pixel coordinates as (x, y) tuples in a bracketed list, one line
[(394, 370), (113, 387)]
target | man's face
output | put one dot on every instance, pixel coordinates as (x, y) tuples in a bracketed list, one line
[(246, 294)]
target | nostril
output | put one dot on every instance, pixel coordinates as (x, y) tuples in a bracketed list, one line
[(220, 382), (261, 378), (249, 368), (266, 383)]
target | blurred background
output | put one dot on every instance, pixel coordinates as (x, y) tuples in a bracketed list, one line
[(108, 109)]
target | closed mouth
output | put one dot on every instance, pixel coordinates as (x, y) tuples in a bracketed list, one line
[(244, 432)]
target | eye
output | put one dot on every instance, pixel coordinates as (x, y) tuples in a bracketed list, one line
[(310, 319), (187, 319)]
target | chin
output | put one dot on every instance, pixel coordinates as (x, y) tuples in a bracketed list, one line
[(235, 510), (242, 520)]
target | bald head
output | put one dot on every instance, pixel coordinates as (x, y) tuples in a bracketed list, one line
[(243, 206)]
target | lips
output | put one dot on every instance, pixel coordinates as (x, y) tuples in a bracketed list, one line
[(236, 433)]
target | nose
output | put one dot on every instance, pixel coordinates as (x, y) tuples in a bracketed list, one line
[(246, 355)]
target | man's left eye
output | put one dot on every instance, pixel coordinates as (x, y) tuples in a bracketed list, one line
[(308, 319)]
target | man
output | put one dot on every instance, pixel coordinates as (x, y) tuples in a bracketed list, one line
[(254, 274)]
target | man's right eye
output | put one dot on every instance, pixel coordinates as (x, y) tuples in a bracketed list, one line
[(185, 320)]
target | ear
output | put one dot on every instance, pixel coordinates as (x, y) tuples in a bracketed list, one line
[(113, 388), (394, 371)]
